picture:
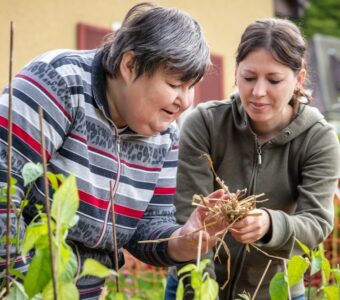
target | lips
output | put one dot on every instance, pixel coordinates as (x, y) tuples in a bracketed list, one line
[(258, 106)]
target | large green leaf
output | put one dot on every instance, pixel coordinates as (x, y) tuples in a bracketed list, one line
[(39, 272), (332, 292), (278, 288), (94, 268), (66, 291), (34, 232), (209, 290), (65, 202), (297, 266), (31, 172)]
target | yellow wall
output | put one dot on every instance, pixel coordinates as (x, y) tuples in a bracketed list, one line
[(42, 25)]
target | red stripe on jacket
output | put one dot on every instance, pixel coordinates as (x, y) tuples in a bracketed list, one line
[(24, 136), (103, 204)]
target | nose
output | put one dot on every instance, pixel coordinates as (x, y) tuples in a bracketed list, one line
[(186, 98), (260, 88)]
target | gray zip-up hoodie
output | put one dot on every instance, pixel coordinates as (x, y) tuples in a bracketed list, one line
[(297, 170)]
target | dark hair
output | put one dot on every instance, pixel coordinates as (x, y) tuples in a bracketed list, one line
[(158, 37), (283, 39)]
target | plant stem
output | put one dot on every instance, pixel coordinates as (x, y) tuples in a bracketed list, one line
[(310, 276), (47, 204), (286, 273), (262, 277), (199, 248), (114, 236), (9, 161)]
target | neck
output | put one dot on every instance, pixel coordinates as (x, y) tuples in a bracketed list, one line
[(265, 131), (112, 94)]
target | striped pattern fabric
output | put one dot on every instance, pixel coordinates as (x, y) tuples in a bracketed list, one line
[(81, 139)]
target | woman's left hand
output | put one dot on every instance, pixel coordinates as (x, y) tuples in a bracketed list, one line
[(251, 228)]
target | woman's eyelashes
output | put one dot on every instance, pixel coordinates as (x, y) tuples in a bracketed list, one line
[(272, 81)]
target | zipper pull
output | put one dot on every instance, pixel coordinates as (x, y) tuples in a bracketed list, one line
[(259, 154), (118, 145)]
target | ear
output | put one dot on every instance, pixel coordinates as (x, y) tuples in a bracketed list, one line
[(301, 76), (126, 66)]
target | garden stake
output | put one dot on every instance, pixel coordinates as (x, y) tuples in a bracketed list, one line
[(262, 277), (47, 204), (114, 236), (9, 160)]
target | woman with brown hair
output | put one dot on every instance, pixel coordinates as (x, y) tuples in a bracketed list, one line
[(267, 139)]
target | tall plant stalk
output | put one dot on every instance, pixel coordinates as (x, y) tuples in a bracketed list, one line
[(47, 205), (114, 236), (9, 160)]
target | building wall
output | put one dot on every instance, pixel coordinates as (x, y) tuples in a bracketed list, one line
[(41, 25)]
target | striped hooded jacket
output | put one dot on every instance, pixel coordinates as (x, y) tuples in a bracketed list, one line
[(81, 139)]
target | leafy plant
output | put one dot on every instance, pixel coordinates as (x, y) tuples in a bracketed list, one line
[(205, 288), (314, 261), (37, 282)]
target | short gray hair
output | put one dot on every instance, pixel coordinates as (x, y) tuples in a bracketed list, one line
[(158, 37)]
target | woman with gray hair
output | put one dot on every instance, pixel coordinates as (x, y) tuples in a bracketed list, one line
[(110, 117)]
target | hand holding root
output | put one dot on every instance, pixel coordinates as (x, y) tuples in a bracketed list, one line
[(251, 228), (184, 249)]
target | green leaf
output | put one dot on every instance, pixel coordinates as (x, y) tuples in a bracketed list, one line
[(39, 207), (12, 240), (66, 291), (94, 268), (278, 288), (209, 289), (34, 232), (39, 272), (17, 292), (203, 264), (196, 280), (16, 273), (180, 290), (53, 180), (23, 204), (186, 268), (304, 248), (118, 296), (336, 273), (316, 264), (297, 266), (332, 292), (68, 264), (65, 202), (31, 172), (243, 296), (326, 268)]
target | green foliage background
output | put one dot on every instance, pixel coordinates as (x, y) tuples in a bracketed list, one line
[(322, 16)]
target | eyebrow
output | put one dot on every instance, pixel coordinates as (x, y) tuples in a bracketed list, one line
[(271, 73)]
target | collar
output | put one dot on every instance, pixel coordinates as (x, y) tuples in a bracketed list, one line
[(98, 77)]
